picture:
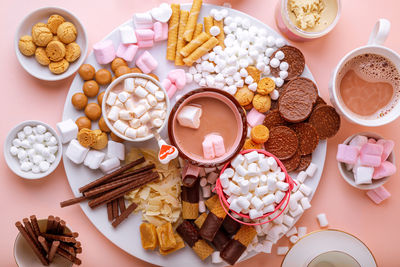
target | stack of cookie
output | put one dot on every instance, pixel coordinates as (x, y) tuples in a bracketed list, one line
[(53, 44)]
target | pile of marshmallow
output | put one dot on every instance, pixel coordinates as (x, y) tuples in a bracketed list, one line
[(106, 161), (176, 80), (246, 45), (367, 158), (35, 148), (147, 28), (141, 105)]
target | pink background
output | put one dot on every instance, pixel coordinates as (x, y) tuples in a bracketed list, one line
[(24, 97)]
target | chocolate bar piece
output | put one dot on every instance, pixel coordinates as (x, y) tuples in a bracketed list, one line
[(210, 226), (190, 194), (220, 240), (232, 251), (188, 233), (230, 225)]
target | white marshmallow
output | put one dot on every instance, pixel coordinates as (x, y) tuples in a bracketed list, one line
[(234, 189), (224, 180), (297, 211), (140, 81), (301, 176), (279, 195), (292, 204), (252, 169), (306, 190), (120, 126), (274, 62), (141, 92), (68, 130), (271, 182), (281, 176), (123, 115), (257, 203), (297, 196), (22, 154), (279, 82), (44, 166), (142, 131), (288, 220), (269, 52), (261, 190), (244, 186), (249, 80), (157, 122), (305, 203), (139, 110), (283, 74), (282, 250), (302, 231), (241, 170), (14, 150), (151, 87), (189, 116), (27, 130), (119, 104), (279, 55), (131, 133), (214, 30), (127, 34), (243, 202), (76, 152), (235, 206), (158, 114), (94, 158), (311, 169), (273, 165), (159, 95), (21, 135), (35, 169), (111, 98), (160, 106), (145, 118), (135, 123), (115, 149), (322, 220), (282, 186), (279, 42), (254, 214), (229, 172), (237, 161), (215, 257), (268, 209), (40, 129), (26, 166), (109, 165), (268, 199), (254, 181), (293, 239), (129, 84), (291, 232)]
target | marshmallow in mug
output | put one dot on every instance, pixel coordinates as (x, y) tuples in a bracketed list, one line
[(135, 106)]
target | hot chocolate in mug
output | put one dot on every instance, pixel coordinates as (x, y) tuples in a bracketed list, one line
[(365, 85)]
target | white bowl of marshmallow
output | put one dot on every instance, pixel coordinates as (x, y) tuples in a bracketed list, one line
[(32, 149)]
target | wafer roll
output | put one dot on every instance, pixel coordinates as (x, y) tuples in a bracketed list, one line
[(62, 238), (190, 201), (49, 225), (35, 225), (61, 227), (198, 30), (181, 42), (131, 173), (213, 222), (173, 26), (56, 225), (29, 229), (211, 202), (43, 243), (114, 205), (200, 220), (230, 225), (192, 20), (67, 248), (69, 257), (221, 35), (72, 201), (53, 249), (194, 44), (208, 23), (124, 215), (201, 51), (236, 246), (73, 234), (191, 236)]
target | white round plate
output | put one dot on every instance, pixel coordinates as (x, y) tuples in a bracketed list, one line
[(127, 235), (13, 162), (29, 63), (318, 242)]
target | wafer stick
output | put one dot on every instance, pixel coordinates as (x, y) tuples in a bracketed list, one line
[(69, 257), (221, 35), (61, 227), (43, 243), (73, 234), (72, 201), (181, 42), (114, 208), (53, 249), (118, 192), (30, 231), (78, 250), (50, 222), (131, 173), (56, 225), (35, 225), (197, 30), (109, 211), (121, 204), (192, 20), (111, 175), (124, 215), (31, 243), (173, 32), (194, 44), (62, 238), (201, 51), (67, 248), (208, 23)]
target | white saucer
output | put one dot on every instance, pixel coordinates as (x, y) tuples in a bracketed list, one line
[(321, 241)]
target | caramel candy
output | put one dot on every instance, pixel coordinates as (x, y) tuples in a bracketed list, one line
[(83, 122), (121, 70), (117, 62), (100, 98), (90, 88), (103, 126), (166, 236), (148, 236), (79, 101), (26, 46), (87, 72), (93, 111), (103, 76)]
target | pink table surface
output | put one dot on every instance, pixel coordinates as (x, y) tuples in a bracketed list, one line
[(24, 97)]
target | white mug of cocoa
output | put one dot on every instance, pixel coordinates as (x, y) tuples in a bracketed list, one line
[(365, 85)]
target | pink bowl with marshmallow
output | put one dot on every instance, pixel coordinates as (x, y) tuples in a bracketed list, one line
[(348, 174)]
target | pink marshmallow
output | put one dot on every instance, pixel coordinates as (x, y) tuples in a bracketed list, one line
[(164, 31), (384, 170), (104, 51), (127, 51), (347, 154), (144, 34), (370, 160), (372, 141), (178, 77), (145, 43), (372, 149), (218, 143), (146, 62), (379, 194), (388, 146), (190, 169), (255, 118), (374, 196), (166, 83), (208, 149), (171, 91), (358, 141), (159, 31)]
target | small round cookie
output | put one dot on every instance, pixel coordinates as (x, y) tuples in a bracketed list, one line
[(100, 98), (41, 36), (55, 50), (259, 134), (54, 21), (116, 138), (101, 140), (87, 72), (103, 126), (154, 76), (26, 45), (136, 70), (83, 122), (244, 96), (79, 101), (66, 32), (93, 111), (72, 52), (37, 25), (90, 88), (254, 73), (59, 67), (262, 103), (103, 76), (304, 162), (55, 38), (41, 56), (121, 70), (118, 62), (292, 163), (282, 142), (250, 144), (265, 86)]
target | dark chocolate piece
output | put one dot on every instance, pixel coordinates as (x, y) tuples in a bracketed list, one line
[(220, 240), (190, 194), (188, 232), (232, 251), (230, 225), (210, 227)]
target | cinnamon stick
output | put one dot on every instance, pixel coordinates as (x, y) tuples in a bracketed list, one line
[(31, 243), (35, 225), (124, 215), (118, 192), (114, 204), (53, 249), (72, 201), (111, 175)]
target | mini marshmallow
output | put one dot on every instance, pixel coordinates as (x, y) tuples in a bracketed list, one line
[(189, 116), (302, 231), (142, 131), (234, 206), (139, 110), (305, 203), (76, 152), (127, 51), (151, 87), (251, 157), (143, 20), (206, 191), (291, 232), (116, 149), (254, 214), (297, 211), (104, 51), (109, 165), (237, 161), (123, 96), (271, 182), (297, 196), (68, 130), (127, 35), (254, 181), (274, 63), (120, 126), (141, 92), (131, 133), (214, 30), (273, 165), (261, 190), (279, 82), (229, 171), (145, 118), (224, 180), (293, 239), (252, 169), (241, 170), (234, 189), (268, 199), (243, 202), (129, 85), (111, 98), (263, 163), (119, 104), (93, 159), (44, 166), (279, 55), (279, 195), (27, 130), (274, 94), (114, 113), (301, 176), (249, 80), (322, 220), (306, 190), (363, 175), (282, 186)]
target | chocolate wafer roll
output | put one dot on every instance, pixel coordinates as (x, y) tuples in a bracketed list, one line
[(69, 257), (191, 236), (190, 201), (213, 222), (50, 222), (53, 249), (30, 231), (109, 211), (72, 201), (220, 240), (61, 227), (62, 238), (114, 208), (43, 243), (230, 225), (56, 225), (119, 219), (238, 244), (35, 225)]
